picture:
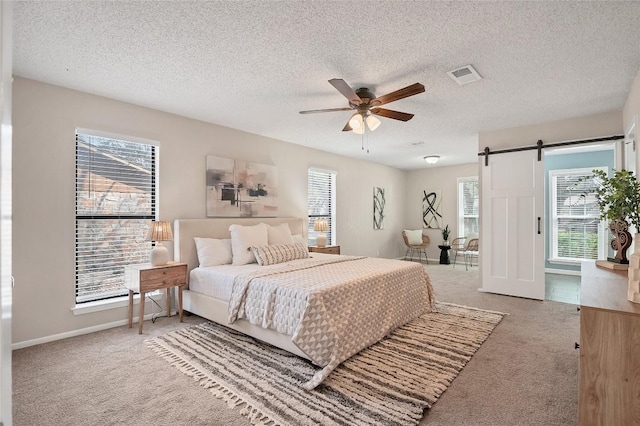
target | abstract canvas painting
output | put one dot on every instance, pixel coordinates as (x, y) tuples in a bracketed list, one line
[(431, 214), (238, 188), (378, 208)]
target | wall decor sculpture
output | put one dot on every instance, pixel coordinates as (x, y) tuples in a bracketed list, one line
[(238, 188), (378, 208), (431, 213)]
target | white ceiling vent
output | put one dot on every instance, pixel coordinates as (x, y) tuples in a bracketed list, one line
[(465, 75)]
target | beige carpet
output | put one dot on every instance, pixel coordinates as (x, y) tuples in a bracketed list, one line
[(526, 373), (389, 383)]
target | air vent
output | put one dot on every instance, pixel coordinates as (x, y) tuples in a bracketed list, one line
[(464, 75)]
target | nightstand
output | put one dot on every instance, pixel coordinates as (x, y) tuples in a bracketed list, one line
[(325, 249), (144, 278)]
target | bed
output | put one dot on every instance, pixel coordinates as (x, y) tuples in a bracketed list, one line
[(321, 308)]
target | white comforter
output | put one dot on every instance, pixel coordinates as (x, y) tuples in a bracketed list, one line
[(333, 308)]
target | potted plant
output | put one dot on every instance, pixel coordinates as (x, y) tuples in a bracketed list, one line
[(618, 199), (445, 236)]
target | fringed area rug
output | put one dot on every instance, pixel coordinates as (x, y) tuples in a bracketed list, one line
[(389, 383)]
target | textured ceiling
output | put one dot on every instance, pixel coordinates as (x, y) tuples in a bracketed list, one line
[(254, 65)]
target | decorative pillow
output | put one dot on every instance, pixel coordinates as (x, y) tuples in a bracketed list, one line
[(298, 238), (213, 252), (414, 237), (245, 237), (279, 253), (279, 234)]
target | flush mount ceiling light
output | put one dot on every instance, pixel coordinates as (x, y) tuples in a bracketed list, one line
[(431, 159)]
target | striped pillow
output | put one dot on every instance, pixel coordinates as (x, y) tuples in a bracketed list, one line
[(279, 253)]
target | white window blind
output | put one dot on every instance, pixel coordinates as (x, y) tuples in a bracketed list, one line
[(321, 187), (468, 206), (115, 203), (576, 230)]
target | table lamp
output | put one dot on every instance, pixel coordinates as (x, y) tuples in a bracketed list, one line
[(159, 231), (321, 225)]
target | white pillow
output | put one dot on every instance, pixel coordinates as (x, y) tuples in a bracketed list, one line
[(279, 234), (213, 252), (414, 237), (245, 237), (298, 238)]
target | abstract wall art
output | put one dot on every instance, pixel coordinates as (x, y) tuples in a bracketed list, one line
[(238, 188), (378, 208), (431, 213)]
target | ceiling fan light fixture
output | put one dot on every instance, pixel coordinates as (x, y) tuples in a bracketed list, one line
[(356, 122), (431, 159), (372, 122)]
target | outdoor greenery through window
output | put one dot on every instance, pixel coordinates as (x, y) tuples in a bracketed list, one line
[(321, 193), (576, 230), (115, 203), (468, 207)]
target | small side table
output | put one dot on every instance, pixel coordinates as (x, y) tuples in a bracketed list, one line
[(144, 278), (444, 255), (325, 249)]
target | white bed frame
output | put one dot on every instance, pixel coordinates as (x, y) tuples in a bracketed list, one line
[(216, 310)]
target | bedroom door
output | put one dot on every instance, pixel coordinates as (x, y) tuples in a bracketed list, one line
[(512, 239), (6, 281)]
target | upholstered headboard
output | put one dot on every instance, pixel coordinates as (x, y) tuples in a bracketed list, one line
[(184, 247)]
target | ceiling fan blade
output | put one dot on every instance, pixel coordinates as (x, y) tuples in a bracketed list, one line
[(405, 92), (313, 111), (346, 90), (396, 115)]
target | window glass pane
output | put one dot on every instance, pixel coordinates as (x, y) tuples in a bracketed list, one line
[(575, 215), (115, 202), (321, 195), (468, 207)]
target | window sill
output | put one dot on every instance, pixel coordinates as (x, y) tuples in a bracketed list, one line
[(570, 262), (105, 305)]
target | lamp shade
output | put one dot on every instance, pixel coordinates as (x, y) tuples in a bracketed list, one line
[(356, 122), (372, 122), (432, 159), (321, 225), (160, 231)]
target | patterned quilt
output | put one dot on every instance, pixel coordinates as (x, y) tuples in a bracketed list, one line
[(332, 307)]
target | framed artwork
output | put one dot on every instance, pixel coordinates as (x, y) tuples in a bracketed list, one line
[(431, 213), (238, 188), (378, 208)]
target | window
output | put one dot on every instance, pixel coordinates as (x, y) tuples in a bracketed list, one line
[(576, 231), (468, 206), (115, 202), (321, 192)]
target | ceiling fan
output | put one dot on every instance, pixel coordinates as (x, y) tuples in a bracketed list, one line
[(367, 105)]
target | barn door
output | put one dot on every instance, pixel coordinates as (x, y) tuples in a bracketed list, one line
[(512, 231)]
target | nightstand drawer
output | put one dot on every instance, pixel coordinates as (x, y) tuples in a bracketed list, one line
[(152, 279), (325, 249)]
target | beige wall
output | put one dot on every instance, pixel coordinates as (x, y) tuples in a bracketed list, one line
[(591, 126), (631, 113), (445, 179), (45, 118)]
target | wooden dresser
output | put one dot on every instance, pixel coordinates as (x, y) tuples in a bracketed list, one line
[(609, 390)]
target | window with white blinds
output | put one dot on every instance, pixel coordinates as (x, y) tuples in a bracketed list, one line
[(576, 230), (115, 203), (321, 195), (468, 207)]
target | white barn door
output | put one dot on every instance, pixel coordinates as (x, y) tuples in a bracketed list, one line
[(512, 241)]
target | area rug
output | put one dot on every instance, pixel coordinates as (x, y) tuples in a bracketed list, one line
[(389, 383)]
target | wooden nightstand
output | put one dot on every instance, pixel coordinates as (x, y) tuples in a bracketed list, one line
[(325, 249), (144, 278)]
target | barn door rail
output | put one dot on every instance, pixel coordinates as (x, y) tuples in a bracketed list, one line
[(540, 146)]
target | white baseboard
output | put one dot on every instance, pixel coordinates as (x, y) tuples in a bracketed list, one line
[(73, 333), (562, 272)]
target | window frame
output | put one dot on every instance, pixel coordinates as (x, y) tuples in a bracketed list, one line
[(102, 301), (331, 216), (460, 213), (554, 217)]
